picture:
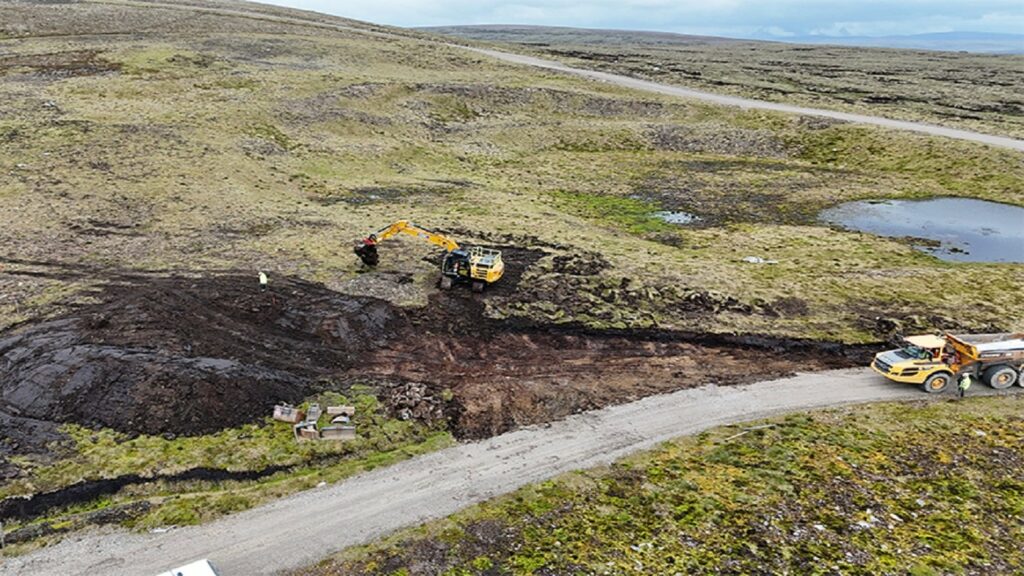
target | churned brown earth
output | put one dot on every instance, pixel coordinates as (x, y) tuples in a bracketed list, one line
[(193, 355)]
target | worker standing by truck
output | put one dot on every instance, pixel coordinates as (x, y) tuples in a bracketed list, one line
[(964, 383)]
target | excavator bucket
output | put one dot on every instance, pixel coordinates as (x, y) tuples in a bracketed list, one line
[(367, 253)]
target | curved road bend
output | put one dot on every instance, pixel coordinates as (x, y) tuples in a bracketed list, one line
[(304, 528), (620, 80), (636, 83)]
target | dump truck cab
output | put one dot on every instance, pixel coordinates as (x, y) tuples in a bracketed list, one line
[(933, 361), (920, 358)]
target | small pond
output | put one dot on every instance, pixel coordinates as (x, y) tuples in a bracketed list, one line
[(675, 217), (960, 229)]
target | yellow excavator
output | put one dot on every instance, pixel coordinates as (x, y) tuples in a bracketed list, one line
[(476, 265)]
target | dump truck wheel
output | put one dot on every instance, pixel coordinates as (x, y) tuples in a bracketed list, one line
[(1000, 377), (937, 382), (446, 282), (478, 286)]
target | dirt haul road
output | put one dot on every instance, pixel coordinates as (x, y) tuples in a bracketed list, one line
[(647, 86), (302, 529)]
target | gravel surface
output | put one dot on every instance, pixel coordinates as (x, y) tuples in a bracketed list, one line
[(302, 529)]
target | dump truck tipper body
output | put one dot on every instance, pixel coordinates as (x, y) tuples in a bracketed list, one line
[(934, 361)]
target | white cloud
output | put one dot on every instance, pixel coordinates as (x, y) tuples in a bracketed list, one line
[(724, 17), (996, 22)]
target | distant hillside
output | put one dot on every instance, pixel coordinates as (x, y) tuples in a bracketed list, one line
[(979, 42), (155, 17), (566, 35), (969, 90)]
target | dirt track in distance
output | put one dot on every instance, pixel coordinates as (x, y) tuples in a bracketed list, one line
[(648, 86)]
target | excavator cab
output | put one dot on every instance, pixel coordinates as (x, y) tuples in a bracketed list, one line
[(455, 267), (477, 266)]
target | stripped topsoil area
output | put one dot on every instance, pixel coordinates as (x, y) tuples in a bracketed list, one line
[(190, 356)]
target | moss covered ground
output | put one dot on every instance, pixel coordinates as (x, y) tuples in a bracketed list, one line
[(923, 488), (272, 148), (153, 140), (165, 495)]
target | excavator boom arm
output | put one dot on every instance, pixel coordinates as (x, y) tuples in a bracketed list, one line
[(406, 227), (477, 265)]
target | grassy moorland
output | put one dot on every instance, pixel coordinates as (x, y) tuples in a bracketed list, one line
[(187, 139), (273, 146), (922, 489), (177, 481), (971, 91)]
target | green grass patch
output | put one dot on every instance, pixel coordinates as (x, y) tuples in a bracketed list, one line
[(230, 83), (98, 454), (601, 140), (629, 214), (888, 488), (976, 170), (163, 60), (452, 109), (272, 133)]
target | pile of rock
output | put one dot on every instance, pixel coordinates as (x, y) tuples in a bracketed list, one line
[(415, 401)]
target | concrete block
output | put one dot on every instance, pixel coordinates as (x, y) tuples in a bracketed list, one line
[(338, 433), (313, 414), (305, 431), (289, 414)]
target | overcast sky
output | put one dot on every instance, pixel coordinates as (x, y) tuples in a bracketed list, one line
[(737, 18)]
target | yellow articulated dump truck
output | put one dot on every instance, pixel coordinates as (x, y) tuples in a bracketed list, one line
[(934, 361)]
